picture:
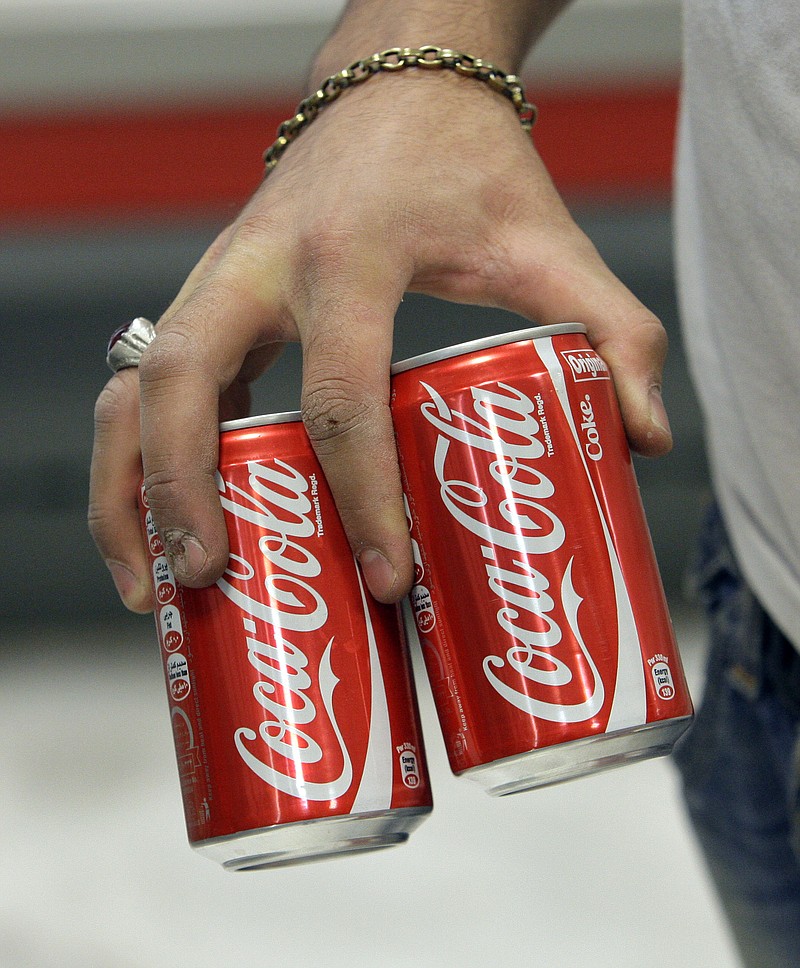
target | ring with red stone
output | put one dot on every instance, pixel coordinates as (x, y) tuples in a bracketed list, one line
[(127, 344)]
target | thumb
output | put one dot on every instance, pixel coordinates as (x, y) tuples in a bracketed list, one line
[(635, 351), (565, 281)]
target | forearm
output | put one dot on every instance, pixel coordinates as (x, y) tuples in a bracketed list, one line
[(498, 31)]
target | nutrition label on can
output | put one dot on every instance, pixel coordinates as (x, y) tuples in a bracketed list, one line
[(176, 659)]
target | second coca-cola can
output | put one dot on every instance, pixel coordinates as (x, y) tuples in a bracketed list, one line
[(537, 598), (293, 710)]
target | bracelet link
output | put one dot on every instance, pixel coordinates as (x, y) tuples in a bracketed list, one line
[(392, 60), (468, 66), (430, 57)]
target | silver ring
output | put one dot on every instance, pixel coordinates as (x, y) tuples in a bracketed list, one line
[(127, 344)]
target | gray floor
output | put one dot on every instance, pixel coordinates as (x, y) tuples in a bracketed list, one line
[(96, 873)]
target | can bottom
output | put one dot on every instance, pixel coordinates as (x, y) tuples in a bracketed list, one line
[(580, 757), (284, 845)]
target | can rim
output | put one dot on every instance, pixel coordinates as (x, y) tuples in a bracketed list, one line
[(264, 420), (486, 342)]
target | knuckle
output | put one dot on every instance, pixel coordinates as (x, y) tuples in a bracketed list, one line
[(652, 338), (111, 528), (164, 491), (175, 490), (100, 524), (325, 253), (333, 407), (170, 354), (653, 329), (115, 401), (253, 229), (323, 241)]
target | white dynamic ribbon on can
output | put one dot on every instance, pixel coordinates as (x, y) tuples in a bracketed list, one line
[(629, 706), (376, 787)]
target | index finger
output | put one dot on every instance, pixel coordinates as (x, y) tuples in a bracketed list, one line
[(197, 353)]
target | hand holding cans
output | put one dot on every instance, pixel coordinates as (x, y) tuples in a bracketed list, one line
[(537, 603)]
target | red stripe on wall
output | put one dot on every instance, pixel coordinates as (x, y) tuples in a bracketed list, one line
[(610, 144), (599, 144)]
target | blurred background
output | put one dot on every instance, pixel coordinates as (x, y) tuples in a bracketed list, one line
[(130, 133)]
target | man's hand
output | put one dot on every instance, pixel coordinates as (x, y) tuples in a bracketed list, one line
[(421, 181)]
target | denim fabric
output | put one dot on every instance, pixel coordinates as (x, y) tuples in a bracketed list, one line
[(740, 764)]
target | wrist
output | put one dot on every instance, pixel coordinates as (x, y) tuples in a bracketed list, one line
[(497, 31), (425, 60)]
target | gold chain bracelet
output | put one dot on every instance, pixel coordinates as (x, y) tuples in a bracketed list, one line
[(398, 59)]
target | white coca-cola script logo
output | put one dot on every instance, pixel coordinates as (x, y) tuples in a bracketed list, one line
[(502, 435), (275, 503)]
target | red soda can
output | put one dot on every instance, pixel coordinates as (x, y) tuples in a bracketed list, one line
[(537, 599), (295, 721)]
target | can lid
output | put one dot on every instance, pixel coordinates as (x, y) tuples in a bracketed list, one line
[(291, 416), (475, 345)]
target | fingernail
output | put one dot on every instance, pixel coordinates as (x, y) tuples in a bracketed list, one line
[(134, 594), (186, 555), (124, 579), (658, 413), (379, 574)]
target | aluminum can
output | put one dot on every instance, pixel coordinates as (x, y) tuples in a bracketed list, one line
[(295, 720), (537, 599)]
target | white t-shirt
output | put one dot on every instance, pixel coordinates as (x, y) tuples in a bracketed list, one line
[(738, 256)]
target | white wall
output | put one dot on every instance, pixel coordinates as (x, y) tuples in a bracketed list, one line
[(57, 51)]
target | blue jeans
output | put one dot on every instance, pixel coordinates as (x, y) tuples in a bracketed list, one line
[(741, 763)]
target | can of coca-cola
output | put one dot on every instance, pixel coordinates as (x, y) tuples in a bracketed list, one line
[(293, 710), (537, 599)]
